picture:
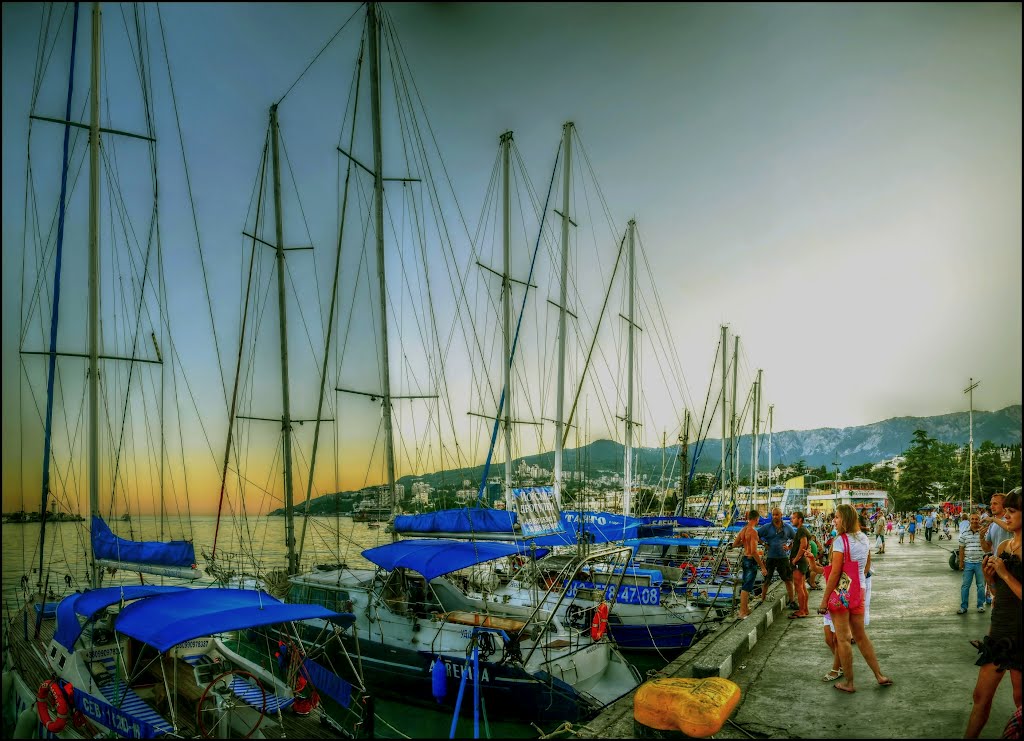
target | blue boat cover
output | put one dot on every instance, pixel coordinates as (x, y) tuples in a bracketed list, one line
[(432, 558), (107, 545), (462, 520), (165, 620), (87, 604), (601, 527), (677, 521), (690, 542)]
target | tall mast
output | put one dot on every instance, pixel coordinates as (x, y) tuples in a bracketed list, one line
[(725, 413), (684, 466), (771, 409), (378, 219), (753, 443), (627, 470), (735, 474), (506, 302), (562, 303), (970, 460), (286, 419), (94, 284)]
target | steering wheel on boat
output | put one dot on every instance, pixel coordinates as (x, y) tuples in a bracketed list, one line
[(229, 700)]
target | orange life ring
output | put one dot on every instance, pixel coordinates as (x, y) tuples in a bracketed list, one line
[(50, 691), (600, 622), (692, 569)]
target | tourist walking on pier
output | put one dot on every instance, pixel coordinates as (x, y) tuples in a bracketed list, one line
[(1001, 648), (901, 529), (800, 563), (912, 528), (970, 563), (929, 526), (849, 623), (777, 534), (880, 533), (751, 561)]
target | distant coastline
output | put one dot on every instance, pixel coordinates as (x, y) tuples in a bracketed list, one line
[(20, 518)]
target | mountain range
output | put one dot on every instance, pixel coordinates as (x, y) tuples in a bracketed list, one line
[(849, 446)]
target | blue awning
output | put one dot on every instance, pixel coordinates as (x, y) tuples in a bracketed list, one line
[(690, 542), (676, 520), (432, 558), (87, 604), (166, 620)]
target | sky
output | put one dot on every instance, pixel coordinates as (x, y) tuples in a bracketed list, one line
[(840, 184)]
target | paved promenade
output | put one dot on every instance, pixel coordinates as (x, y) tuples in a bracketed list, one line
[(921, 643)]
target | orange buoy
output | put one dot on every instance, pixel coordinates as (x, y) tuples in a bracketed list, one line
[(694, 707), (600, 622), (51, 693)]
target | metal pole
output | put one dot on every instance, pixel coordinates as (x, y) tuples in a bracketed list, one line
[(506, 300), (627, 471), (94, 285), (970, 459), (562, 302), (282, 316), (771, 409), (754, 450), (378, 219), (725, 413), (735, 474)]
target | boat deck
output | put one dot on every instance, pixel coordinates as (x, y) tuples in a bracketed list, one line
[(27, 655)]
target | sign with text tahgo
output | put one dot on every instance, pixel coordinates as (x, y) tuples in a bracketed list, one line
[(538, 514)]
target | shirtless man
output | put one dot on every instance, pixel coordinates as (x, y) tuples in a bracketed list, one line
[(748, 540)]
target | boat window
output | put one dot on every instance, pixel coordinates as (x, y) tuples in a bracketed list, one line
[(53, 652), (319, 596), (63, 661), (297, 593)]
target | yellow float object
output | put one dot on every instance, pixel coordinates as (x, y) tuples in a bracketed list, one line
[(695, 707)]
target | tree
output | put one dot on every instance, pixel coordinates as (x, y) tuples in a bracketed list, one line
[(916, 485)]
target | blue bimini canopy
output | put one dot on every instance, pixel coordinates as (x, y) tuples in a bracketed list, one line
[(463, 520), (87, 604), (166, 620), (109, 546), (432, 558)]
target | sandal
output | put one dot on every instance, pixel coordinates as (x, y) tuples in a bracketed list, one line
[(832, 675), (976, 644)]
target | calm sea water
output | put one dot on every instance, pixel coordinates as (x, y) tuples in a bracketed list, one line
[(328, 540)]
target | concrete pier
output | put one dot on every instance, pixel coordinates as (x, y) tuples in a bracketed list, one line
[(921, 643)]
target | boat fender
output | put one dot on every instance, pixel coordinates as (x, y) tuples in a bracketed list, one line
[(49, 693), (438, 680), (695, 707), (600, 622), (27, 725)]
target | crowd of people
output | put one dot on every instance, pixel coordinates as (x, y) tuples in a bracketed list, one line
[(802, 550)]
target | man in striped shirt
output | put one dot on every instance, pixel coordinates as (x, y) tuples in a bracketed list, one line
[(970, 563)]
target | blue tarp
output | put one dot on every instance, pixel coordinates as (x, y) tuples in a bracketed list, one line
[(690, 542), (87, 604), (109, 546), (432, 558), (463, 520), (677, 521), (166, 620), (601, 527)]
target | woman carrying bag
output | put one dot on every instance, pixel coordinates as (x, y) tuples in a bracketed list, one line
[(843, 598)]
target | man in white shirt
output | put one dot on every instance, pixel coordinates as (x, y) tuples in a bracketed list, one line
[(994, 531)]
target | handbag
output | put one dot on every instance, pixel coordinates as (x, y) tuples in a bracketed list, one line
[(848, 594)]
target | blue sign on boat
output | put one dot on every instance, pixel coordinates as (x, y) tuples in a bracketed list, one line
[(122, 723)]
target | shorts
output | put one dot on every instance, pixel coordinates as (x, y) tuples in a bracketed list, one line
[(803, 567), (782, 565), (749, 573)]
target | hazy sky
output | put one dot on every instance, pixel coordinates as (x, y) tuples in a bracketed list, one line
[(841, 184)]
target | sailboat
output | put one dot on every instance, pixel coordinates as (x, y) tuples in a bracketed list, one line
[(142, 660)]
